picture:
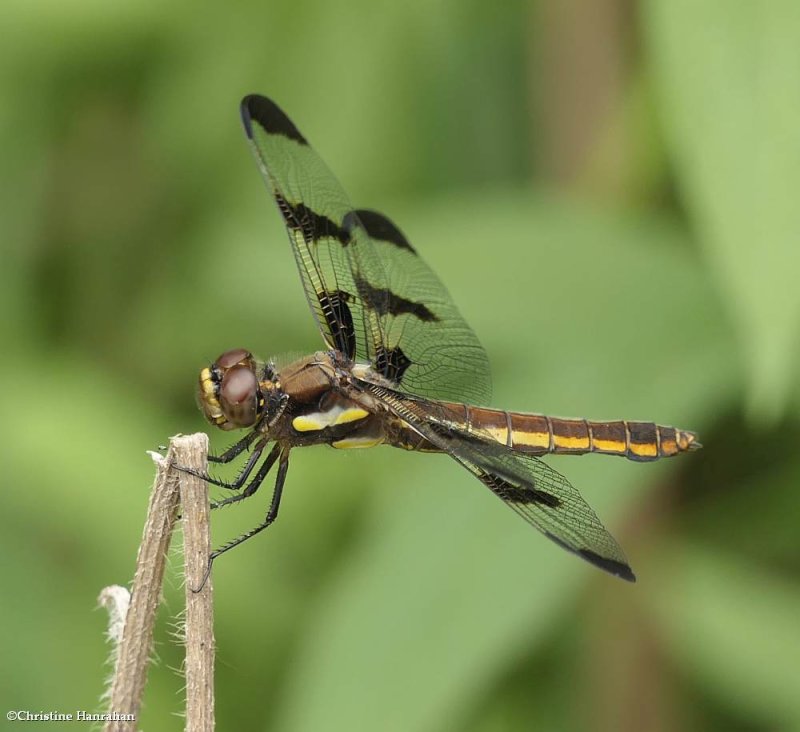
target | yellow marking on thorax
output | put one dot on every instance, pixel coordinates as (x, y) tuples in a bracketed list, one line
[(531, 439), (334, 416), (309, 423), (349, 443), (571, 443), (351, 415)]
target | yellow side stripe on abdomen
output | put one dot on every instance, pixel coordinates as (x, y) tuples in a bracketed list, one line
[(530, 439), (538, 433), (570, 442)]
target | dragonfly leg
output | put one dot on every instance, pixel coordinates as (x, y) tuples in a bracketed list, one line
[(240, 479), (283, 468), (237, 448), (255, 483)]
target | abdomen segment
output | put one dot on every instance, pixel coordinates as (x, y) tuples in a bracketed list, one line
[(539, 434)]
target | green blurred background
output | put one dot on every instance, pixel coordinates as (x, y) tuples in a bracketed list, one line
[(609, 190)]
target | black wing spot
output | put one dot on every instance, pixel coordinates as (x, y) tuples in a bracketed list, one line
[(310, 224), (383, 301), (391, 364), (380, 227), (618, 569), (340, 320), (270, 117), (515, 494)]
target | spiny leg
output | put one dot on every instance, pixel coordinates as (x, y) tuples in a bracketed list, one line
[(240, 479), (237, 448), (254, 484), (244, 473), (283, 468)]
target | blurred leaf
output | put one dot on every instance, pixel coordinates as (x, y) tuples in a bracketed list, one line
[(731, 103), (735, 629), (742, 464)]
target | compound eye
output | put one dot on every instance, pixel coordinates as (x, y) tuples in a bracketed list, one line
[(237, 356), (239, 397)]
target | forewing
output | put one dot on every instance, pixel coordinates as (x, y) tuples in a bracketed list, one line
[(374, 299), (332, 254)]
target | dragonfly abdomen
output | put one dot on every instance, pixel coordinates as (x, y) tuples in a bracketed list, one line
[(540, 434)]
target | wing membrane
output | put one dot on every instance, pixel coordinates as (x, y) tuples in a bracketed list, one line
[(547, 500), (542, 496), (372, 296), (314, 207), (445, 358)]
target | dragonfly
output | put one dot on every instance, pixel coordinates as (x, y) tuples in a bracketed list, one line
[(399, 367)]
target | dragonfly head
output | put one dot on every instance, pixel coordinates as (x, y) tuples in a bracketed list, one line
[(229, 392)]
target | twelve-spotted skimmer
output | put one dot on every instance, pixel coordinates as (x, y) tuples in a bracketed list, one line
[(401, 367)]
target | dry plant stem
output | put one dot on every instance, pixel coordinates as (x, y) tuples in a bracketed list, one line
[(200, 647), (136, 645)]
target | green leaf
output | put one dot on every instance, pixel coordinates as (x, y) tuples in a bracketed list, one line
[(728, 76), (734, 628)]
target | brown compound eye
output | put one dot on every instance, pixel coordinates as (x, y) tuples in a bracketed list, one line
[(237, 356), (239, 395)]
